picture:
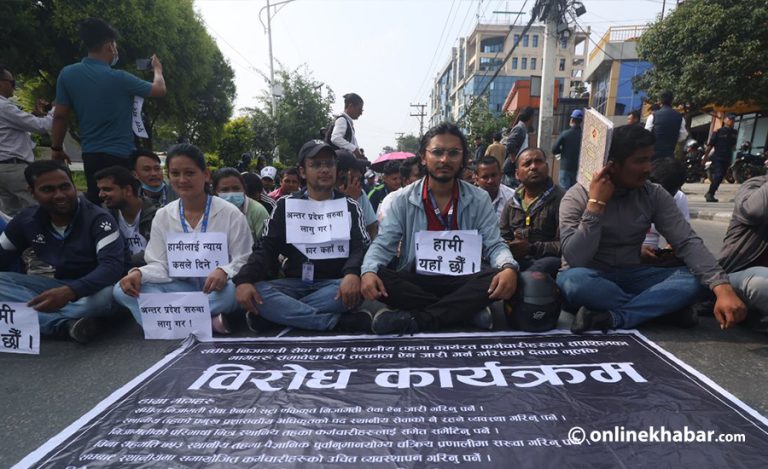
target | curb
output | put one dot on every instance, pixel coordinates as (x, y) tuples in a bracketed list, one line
[(719, 216)]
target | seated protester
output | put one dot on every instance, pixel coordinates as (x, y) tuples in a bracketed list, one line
[(194, 212), (229, 185), (745, 249), (119, 190), (390, 183), (529, 222), (149, 172), (79, 239), (410, 172), (349, 173), (315, 293), (254, 190), (268, 174), (289, 183), (438, 202), (488, 177), (669, 174), (601, 231)]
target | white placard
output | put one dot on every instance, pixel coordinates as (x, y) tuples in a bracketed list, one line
[(196, 254), (137, 123), (595, 143), (455, 252), (332, 250), (175, 315), (19, 329), (313, 222)]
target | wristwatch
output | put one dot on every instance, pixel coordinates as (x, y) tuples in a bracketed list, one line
[(509, 265)]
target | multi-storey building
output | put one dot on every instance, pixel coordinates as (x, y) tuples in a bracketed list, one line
[(477, 57)]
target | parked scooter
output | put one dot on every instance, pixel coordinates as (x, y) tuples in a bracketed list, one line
[(694, 170), (747, 165)]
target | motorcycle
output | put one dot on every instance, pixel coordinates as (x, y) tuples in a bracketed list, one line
[(694, 170), (747, 165)]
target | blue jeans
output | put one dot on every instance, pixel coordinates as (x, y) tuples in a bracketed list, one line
[(752, 286), (20, 288), (633, 295), (291, 302), (222, 302), (567, 179)]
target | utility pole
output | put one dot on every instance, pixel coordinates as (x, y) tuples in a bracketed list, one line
[(547, 102), (420, 115)]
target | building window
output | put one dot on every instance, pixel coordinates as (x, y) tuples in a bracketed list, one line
[(492, 45), (535, 41), (514, 63), (562, 65), (533, 63), (524, 63), (525, 41), (487, 63), (517, 38), (563, 42)]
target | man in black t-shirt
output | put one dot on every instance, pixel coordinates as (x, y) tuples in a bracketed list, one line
[(724, 142)]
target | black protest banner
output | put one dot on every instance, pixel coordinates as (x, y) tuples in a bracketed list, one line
[(481, 400)]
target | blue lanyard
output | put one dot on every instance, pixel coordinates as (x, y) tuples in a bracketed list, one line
[(447, 223), (205, 215)]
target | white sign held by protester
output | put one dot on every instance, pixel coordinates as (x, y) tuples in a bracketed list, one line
[(196, 254), (19, 329), (175, 315), (455, 252), (313, 222), (332, 250), (137, 122)]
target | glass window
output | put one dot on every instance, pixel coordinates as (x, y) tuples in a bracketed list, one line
[(517, 38), (535, 41), (488, 63), (524, 63), (525, 41), (514, 63), (562, 65), (563, 42), (492, 45), (533, 63), (761, 135)]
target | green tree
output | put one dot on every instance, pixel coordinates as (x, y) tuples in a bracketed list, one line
[(238, 137), (38, 38), (408, 142), (708, 52), (481, 121)]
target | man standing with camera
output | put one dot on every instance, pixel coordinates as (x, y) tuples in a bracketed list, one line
[(102, 99)]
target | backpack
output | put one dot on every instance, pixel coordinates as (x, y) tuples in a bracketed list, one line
[(329, 131)]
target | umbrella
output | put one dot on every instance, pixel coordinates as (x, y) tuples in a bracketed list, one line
[(378, 165)]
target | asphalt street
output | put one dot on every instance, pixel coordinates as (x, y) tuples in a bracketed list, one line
[(41, 395)]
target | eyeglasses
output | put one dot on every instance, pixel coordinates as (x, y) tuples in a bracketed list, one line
[(12, 82), (317, 164), (452, 153)]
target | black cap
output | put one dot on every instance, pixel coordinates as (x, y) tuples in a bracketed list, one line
[(345, 161), (312, 148), (536, 307)]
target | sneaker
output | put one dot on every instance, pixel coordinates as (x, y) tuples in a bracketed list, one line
[(588, 320), (483, 319), (710, 198), (257, 323), (220, 324), (390, 321), (355, 321), (83, 330)]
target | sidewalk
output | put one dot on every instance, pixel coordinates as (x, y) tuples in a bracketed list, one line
[(720, 211)]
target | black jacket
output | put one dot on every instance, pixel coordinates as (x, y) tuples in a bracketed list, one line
[(543, 232), (264, 259)]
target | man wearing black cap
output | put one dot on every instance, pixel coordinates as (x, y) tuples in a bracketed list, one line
[(349, 174), (319, 285), (723, 140), (568, 146)]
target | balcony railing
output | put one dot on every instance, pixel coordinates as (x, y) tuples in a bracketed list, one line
[(618, 34)]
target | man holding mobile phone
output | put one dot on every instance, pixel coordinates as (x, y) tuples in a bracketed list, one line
[(102, 98)]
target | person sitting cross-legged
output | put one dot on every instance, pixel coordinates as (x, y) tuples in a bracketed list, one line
[(319, 288), (601, 231), (229, 184), (426, 290), (79, 239), (194, 213)]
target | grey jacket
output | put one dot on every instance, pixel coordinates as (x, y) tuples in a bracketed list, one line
[(406, 216), (747, 235), (613, 239)]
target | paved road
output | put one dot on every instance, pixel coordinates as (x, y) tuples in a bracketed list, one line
[(42, 395)]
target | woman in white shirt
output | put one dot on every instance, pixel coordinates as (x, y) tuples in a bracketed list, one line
[(194, 212)]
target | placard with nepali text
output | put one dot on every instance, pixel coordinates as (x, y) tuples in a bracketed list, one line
[(196, 254), (442, 400), (455, 252), (175, 315), (595, 143), (315, 222), (19, 329)]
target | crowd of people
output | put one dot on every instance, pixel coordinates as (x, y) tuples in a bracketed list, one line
[(540, 245)]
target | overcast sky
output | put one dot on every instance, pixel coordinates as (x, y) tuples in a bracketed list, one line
[(387, 51)]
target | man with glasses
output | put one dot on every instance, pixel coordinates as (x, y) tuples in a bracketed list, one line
[(16, 145), (322, 281), (446, 226), (103, 100)]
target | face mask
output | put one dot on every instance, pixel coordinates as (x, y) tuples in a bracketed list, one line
[(235, 198), (149, 188)]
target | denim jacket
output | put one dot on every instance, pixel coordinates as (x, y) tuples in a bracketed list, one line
[(406, 216)]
